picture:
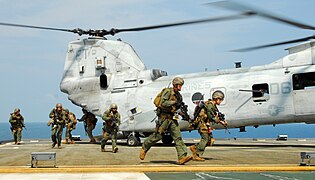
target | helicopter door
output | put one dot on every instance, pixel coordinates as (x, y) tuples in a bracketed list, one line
[(303, 93)]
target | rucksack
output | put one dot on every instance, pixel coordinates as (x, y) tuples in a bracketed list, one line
[(157, 100)]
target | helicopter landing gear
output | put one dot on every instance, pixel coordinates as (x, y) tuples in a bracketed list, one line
[(167, 139), (133, 140)]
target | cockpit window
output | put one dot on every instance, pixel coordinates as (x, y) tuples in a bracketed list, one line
[(303, 81)]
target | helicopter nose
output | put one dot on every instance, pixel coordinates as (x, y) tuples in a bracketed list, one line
[(65, 87)]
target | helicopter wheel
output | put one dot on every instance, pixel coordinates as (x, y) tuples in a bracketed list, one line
[(133, 141), (167, 139)]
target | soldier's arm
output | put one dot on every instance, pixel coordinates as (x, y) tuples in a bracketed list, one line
[(211, 114), (106, 116), (11, 120), (118, 119), (165, 99), (22, 119), (51, 114)]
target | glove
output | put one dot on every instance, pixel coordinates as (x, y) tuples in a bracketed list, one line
[(50, 122)]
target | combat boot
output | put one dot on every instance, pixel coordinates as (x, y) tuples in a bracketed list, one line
[(72, 142), (18, 143), (198, 158), (193, 150), (183, 160), (142, 154), (212, 140), (65, 142), (92, 141), (102, 150), (53, 145), (115, 150)]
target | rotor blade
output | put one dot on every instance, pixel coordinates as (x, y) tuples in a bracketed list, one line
[(223, 18), (275, 44), (245, 8), (34, 27)]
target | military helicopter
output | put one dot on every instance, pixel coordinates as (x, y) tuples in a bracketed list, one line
[(99, 71)]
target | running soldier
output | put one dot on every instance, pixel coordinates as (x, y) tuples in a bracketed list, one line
[(89, 121), (17, 124), (58, 117), (110, 127)]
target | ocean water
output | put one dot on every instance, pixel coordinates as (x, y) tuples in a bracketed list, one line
[(40, 130)]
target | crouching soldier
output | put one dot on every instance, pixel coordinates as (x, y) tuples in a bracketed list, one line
[(209, 113), (89, 121), (58, 116), (110, 127), (17, 124), (71, 122)]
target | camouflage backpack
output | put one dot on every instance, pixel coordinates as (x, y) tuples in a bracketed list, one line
[(157, 101)]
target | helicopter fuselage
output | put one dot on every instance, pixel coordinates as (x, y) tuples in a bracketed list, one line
[(99, 72)]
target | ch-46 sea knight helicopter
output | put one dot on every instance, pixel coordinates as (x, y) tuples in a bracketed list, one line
[(99, 71)]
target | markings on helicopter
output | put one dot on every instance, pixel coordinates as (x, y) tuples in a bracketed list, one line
[(197, 86), (274, 110)]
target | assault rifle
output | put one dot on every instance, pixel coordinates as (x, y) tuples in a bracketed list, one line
[(182, 106), (221, 117), (114, 123), (184, 109)]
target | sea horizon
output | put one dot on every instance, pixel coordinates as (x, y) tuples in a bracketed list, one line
[(40, 130)]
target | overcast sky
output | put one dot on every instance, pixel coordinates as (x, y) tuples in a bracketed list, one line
[(32, 60)]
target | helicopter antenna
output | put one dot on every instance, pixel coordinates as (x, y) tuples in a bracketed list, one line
[(114, 31)]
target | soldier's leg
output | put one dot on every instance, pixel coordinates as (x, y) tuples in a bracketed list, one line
[(19, 135), (14, 133), (59, 134), (211, 141), (177, 137), (53, 136), (106, 136), (89, 130), (156, 136), (114, 141), (201, 146), (70, 135)]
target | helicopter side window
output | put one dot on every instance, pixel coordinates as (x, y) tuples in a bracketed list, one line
[(303, 81), (103, 81), (260, 92)]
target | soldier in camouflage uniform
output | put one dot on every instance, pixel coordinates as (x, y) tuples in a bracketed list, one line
[(110, 127), (58, 117), (71, 122), (89, 121), (207, 115), (17, 124), (170, 102)]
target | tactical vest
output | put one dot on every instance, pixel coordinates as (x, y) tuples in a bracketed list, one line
[(172, 97), (19, 120)]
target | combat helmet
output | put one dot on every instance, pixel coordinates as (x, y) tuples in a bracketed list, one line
[(178, 81), (16, 110), (113, 106), (218, 95), (58, 105)]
